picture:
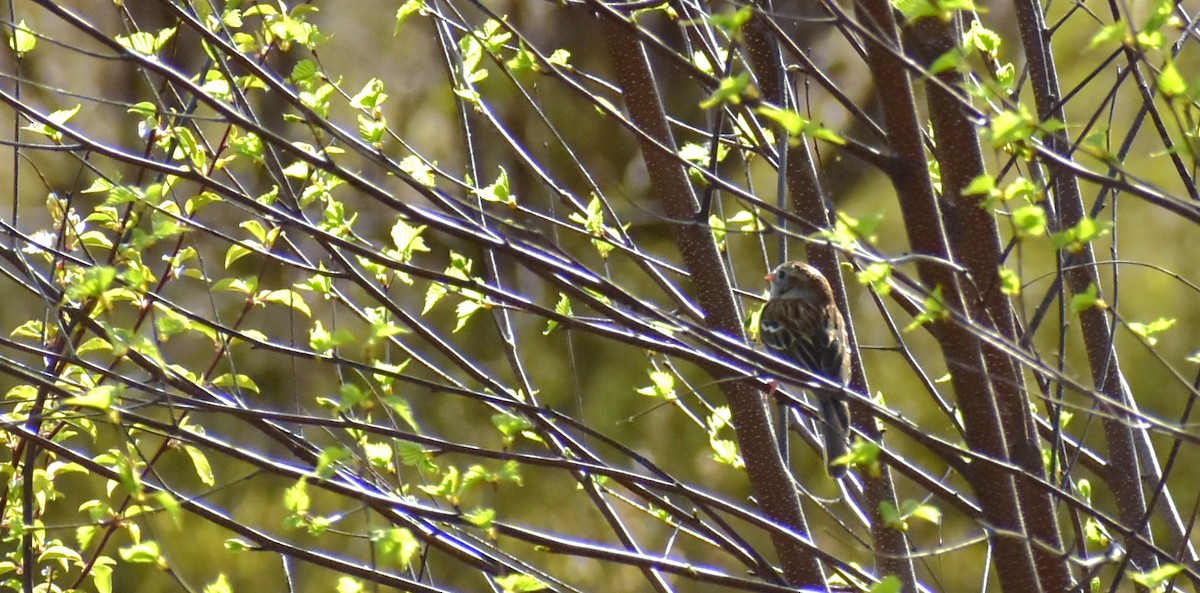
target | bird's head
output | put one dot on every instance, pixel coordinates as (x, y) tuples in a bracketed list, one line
[(798, 280)]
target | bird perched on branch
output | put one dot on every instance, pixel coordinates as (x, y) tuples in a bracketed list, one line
[(802, 324)]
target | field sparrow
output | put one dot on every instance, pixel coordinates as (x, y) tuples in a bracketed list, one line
[(802, 324)]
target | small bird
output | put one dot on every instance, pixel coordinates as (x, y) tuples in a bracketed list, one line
[(802, 324)]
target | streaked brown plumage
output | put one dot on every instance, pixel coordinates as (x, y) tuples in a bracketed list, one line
[(801, 323)]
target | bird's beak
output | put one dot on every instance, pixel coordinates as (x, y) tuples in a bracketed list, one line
[(769, 277)]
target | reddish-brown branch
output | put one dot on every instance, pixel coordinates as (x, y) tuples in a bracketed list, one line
[(769, 478)]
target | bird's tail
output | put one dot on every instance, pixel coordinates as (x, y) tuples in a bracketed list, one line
[(835, 431)]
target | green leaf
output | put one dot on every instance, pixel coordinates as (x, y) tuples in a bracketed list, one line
[(295, 498), (1162, 14), (379, 455), (560, 57), (240, 285), (878, 276), (321, 284), (940, 9), (1147, 331), (864, 454), (186, 148), (1005, 75), (171, 505), (792, 122), (259, 232), (398, 545), (512, 426), (499, 191), (102, 574), (449, 487), (230, 381), (143, 553), (888, 584), (57, 120), (370, 97), (725, 452), (324, 342), (1010, 282), (460, 268), (472, 58), (493, 35), (414, 455), (1118, 31), (925, 512), (200, 463), (752, 323), (662, 384), (593, 218), (1077, 237), (732, 22), (721, 417), (409, 8), (1012, 126), (701, 61), (372, 130), (249, 145), (1084, 487), (1096, 533), (1030, 220), (464, 311), (30, 329), (948, 61), (510, 472), (797, 125), (144, 42), (382, 325), (1157, 578), (60, 553), (890, 516), (304, 73), (235, 252), (347, 584), (123, 194), (402, 408), (519, 583), (101, 397), (1170, 82), (593, 221), (933, 310), (288, 298), (1024, 189), (562, 307), (235, 544), (433, 294), (469, 95), (695, 153), (221, 585), (22, 40), (985, 40), (854, 229), (481, 518), (523, 61), (730, 90), (1086, 300), (981, 185), (329, 459), (747, 221), (717, 226), (418, 170)]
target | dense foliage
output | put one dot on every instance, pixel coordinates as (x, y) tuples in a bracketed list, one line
[(443, 295)]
